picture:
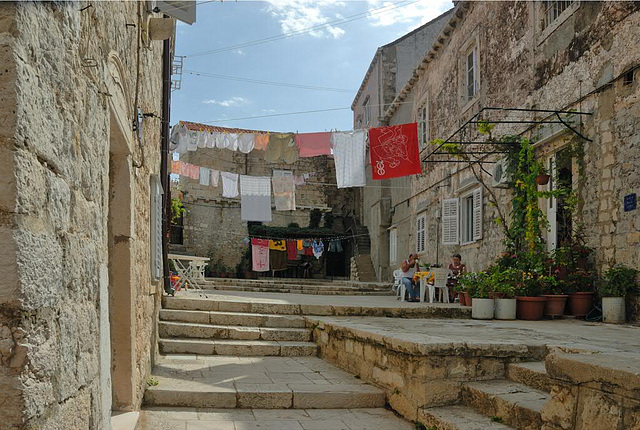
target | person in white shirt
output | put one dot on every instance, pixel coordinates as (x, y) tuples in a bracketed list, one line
[(409, 268)]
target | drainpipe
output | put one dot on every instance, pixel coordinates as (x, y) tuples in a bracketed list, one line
[(164, 171)]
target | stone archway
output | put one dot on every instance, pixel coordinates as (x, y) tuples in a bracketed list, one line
[(118, 351)]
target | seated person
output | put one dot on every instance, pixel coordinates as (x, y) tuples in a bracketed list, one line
[(409, 268), (456, 268)]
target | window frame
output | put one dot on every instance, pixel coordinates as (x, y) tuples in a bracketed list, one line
[(471, 47), (540, 11), (422, 118), (468, 233)]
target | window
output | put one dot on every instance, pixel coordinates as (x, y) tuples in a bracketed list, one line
[(552, 10), (628, 78), (421, 233), (367, 112), (155, 192), (462, 219), (471, 217), (471, 68), (393, 245), (423, 125)]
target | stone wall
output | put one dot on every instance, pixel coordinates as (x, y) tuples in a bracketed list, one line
[(66, 86), (577, 63), (212, 223)]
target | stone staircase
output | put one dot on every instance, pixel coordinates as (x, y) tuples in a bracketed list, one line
[(362, 268), (239, 357), (299, 286), (513, 403)]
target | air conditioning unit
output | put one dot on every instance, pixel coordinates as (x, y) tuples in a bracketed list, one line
[(500, 177)]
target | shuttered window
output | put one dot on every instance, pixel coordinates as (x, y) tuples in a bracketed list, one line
[(156, 193), (450, 221), (471, 217), (477, 214), (393, 245), (421, 233)]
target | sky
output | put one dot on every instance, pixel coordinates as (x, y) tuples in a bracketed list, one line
[(312, 43)]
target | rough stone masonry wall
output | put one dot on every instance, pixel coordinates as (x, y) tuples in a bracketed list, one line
[(521, 68), (212, 223), (54, 154)]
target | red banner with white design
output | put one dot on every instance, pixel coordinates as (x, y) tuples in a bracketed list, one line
[(394, 151)]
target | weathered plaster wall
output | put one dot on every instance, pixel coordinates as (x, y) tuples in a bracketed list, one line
[(55, 122)]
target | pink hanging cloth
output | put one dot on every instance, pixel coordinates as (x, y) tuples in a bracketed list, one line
[(260, 254), (314, 144)]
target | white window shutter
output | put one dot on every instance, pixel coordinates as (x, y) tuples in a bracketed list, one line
[(393, 243), (156, 229), (184, 11), (476, 71), (477, 214), (450, 221)]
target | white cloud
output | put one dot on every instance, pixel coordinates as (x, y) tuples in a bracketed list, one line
[(232, 102), (239, 52), (413, 14), (297, 15)]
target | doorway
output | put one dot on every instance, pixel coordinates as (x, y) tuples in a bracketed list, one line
[(559, 165)]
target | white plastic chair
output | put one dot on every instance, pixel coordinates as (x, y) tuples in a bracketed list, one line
[(397, 282), (440, 282)]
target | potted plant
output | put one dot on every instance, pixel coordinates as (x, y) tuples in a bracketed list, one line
[(618, 282), (556, 299), (530, 305), (504, 285), (580, 287), (481, 305)]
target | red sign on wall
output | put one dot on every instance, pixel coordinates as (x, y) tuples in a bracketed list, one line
[(394, 151)]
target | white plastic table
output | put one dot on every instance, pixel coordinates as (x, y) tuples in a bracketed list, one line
[(190, 269)]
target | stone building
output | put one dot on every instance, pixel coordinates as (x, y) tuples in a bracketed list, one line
[(389, 71), (212, 225), (79, 185), (534, 55)]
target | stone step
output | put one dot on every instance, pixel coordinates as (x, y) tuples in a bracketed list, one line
[(212, 331), (233, 318), (240, 348), (515, 404), (385, 292), (261, 383), (534, 374), (458, 417)]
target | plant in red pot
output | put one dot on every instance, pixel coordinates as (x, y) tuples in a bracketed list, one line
[(530, 305), (580, 286), (556, 299)]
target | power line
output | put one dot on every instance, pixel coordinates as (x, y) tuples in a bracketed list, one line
[(258, 81), (275, 114), (351, 18)]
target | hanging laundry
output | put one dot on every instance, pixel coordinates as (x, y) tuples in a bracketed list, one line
[(202, 139), (221, 140), (278, 259), (192, 140), (205, 176), (215, 177), (284, 193), (281, 148), (175, 167), (292, 250), (335, 245), (229, 184), (174, 137), (255, 198), (246, 142), (318, 248), (394, 151), (184, 168), (260, 254), (210, 141), (349, 157), (278, 245), (298, 180), (194, 172), (261, 141), (233, 141), (246, 241), (299, 245), (314, 144)]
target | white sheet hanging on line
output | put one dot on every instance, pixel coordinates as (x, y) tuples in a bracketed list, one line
[(204, 176), (255, 198), (349, 153), (284, 193), (246, 142), (215, 177), (229, 184)]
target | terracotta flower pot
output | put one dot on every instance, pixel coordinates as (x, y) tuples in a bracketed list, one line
[(555, 305), (462, 298), (542, 179), (581, 303), (467, 299), (530, 308)]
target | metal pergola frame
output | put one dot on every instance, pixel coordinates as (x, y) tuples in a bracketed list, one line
[(475, 119)]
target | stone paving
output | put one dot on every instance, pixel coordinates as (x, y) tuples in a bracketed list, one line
[(269, 419)]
